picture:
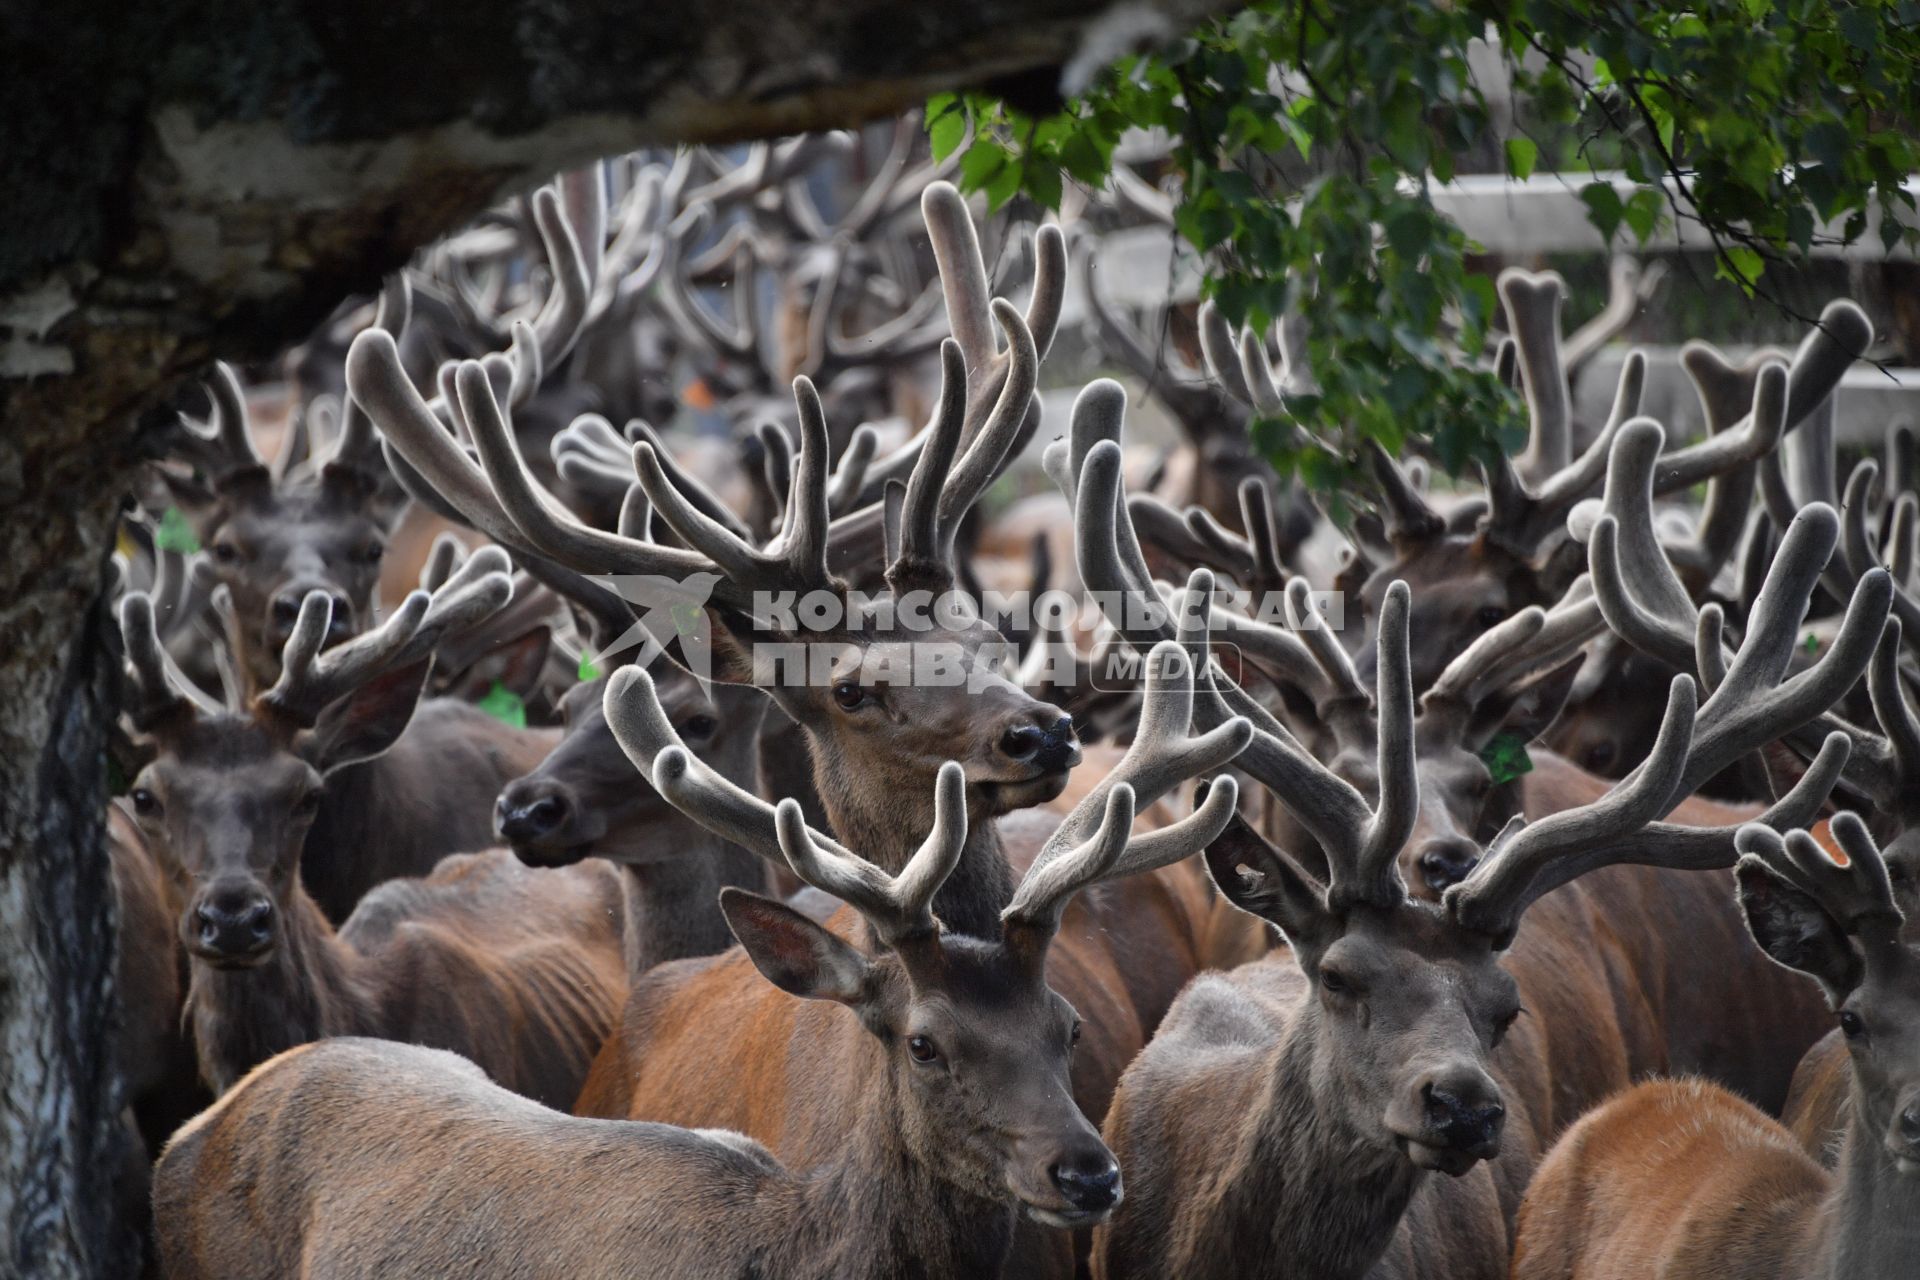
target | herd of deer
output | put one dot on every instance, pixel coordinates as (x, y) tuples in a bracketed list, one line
[(718, 972)]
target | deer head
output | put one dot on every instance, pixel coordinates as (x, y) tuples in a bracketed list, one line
[(228, 796), (1837, 922), (977, 1046), (887, 693), (1480, 565)]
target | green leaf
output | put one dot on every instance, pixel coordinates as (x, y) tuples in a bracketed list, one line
[(1409, 231), (175, 533), (1740, 265), (984, 161), (1521, 155), (587, 671), (945, 132), (504, 705), (1506, 757), (1643, 212), (1604, 209)]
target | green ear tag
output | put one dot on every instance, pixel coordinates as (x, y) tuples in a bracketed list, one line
[(587, 670), (504, 705), (175, 534), (1813, 643), (1506, 757)]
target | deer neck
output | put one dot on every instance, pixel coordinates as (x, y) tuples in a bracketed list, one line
[(675, 900), (308, 988), (1303, 1183), (911, 1221), (1873, 1216)]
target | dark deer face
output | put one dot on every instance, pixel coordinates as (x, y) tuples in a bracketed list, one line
[(585, 799), (271, 544), (977, 1049), (1404, 1010), (1842, 925), (227, 800), (1462, 587)]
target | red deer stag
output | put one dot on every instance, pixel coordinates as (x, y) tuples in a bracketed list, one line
[(521, 970), (1679, 1178), (1288, 1115), (1469, 574), (876, 730), (951, 1097), (1611, 936)]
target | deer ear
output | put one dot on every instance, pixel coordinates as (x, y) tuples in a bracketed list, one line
[(368, 721), (1796, 932), (792, 952), (1525, 711), (1261, 881)]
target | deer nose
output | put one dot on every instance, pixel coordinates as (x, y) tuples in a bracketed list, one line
[(1446, 861), (1464, 1122), (1092, 1188), (527, 813), (1050, 748), (235, 922)]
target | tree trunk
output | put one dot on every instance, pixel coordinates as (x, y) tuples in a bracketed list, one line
[(193, 180)]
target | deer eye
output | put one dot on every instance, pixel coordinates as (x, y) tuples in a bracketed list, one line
[(145, 803), (1078, 1027), (307, 805), (848, 694), (225, 552), (700, 727), (1505, 1025), (1492, 615), (370, 553), (921, 1049), (1334, 982), (1851, 1025)]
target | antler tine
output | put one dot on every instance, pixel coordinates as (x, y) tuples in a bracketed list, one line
[(1306, 622), (1899, 543), (307, 686), (963, 273), (1223, 355), (1901, 468), (1857, 542), (1263, 390), (1640, 596), (573, 256), (1565, 630), (1628, 289), (447, 552), (1049, 296), (539, 520), (641, 727), (843, 489), (687, 312), (1373, 876), (684, 482), (803, 540), (232, 430), (1466, 672), (1895, 714), (1753, 706), (1198, 403), (981, 463), (1857, 894), (1092, 843), (1409, 517), (920, 537), (1525, 861), (1533, 315), (162, 692), (900, 907), (355, 446)]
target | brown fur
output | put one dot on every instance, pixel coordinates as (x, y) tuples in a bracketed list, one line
[(521, 971)]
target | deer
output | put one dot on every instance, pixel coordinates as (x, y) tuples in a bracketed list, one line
[(1618, 926), (1678, 1177), (954, 1045), (1288, 1115), (872, 736), (519, 969), (1478, 566)]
